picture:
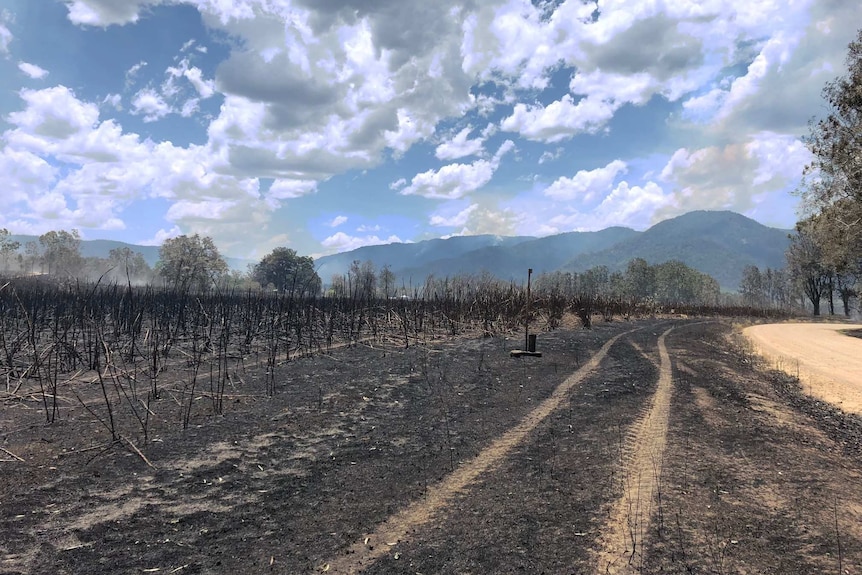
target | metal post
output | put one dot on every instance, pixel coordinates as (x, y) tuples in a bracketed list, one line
[(527, 319)]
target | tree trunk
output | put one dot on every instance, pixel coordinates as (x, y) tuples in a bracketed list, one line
[(831, 289)]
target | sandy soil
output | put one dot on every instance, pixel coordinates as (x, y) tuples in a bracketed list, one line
[(826, 359), (623, 537)]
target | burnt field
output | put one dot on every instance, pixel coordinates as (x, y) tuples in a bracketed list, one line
[(638, 446)]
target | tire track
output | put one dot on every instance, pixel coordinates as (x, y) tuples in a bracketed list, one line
[(397, 527), (621, 543)]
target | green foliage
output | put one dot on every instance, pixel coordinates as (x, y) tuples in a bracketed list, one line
[(62, 252), (190, 263), (287, 271), (128, 265), (7, 247), (832, 193), (670, 283)]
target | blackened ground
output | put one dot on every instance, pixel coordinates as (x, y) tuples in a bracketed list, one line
[(752, 483)]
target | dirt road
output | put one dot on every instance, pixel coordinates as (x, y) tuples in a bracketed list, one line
[(829, 362)]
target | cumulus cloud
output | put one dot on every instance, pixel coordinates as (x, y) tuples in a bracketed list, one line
[(456, 220), (460, 146), (106, 12), (286, 189), (337, 221), (626, 204), (342, 242), (32, 70), (733, 176), (105, 171), (150, 104), (317, 88), (586, 184), (204, 87), (454, 181), (162, 235)]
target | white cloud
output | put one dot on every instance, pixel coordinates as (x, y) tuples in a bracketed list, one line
[(5, 34), (132, 73), (290, 189), (456, 180), (114, 100), (398, 184), (559, 120), (53, 113), (162, 235), (190, 107), (733, 176), (151, 105), (778, 156), (205, 88), (460, 146), (32, 70), (341, 242), (106, 171), (106, 12), (366, 229), (586, 184), (633, 205), (548, 156), (457, 220), (337, 221), (452, 181), (603, 93)]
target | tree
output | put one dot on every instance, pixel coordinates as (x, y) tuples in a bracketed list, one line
[(595, 281), (362, 280), (752, 287), (805, 263), (128, 264), (386, 280), (7, 247), (190, 262), (287, 271), (832, 187), (640, 279), (835, 173), (31, 257), (62, 252)]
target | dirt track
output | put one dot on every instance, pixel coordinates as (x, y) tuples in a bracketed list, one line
[(827, 361), (623, 538), (395, 529)]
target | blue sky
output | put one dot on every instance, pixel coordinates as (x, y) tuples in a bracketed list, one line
[(325, 125)]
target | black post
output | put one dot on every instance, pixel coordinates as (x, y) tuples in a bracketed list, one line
[(527, 319)]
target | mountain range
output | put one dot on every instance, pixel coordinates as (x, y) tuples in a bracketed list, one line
[(102, 248), (718, 243)]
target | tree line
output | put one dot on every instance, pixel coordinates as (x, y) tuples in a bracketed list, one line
[(825, 254)]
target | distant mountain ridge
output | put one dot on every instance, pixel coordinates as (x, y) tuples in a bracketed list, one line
[(101, 249), (718, 243)]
